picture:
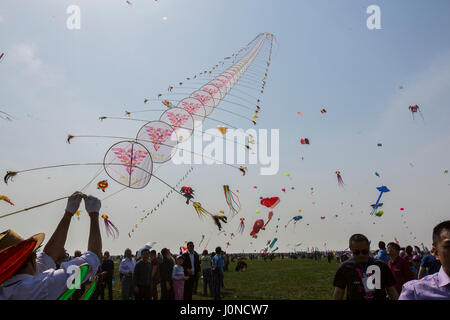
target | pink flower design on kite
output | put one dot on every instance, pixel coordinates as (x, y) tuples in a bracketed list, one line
[(210, 91), (218, 84), (158, 136), (191, 107), (177, 119), (130, 161), (203, 98)]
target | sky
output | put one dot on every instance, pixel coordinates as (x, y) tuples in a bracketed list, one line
[(55, 81)]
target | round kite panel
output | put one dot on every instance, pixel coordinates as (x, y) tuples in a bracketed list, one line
[(129, 163), (181, 120), (160, 139)]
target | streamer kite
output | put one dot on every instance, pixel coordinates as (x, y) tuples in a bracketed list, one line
[(241, 226), (339, 179), (295, 219), (273, 242), (111, 229), (233, 202), (415, 109), (268, 219), (6, 199)]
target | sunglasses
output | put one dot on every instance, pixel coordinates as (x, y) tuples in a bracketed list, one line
[(358, 252)]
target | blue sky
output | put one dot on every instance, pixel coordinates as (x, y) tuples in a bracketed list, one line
[(55, 81)]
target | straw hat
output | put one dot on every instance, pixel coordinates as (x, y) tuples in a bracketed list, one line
[(9, 238), (15, 251)]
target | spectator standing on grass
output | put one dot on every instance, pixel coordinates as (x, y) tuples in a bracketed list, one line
[(107, 276), (166, 268), (399, 266), (217, 272), (437, 285), (206, 265), (126, 270), (142, 277), (179, 278), (352, 274), (191, 265)]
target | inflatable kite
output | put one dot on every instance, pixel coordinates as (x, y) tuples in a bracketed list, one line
[(270, 202), (268, 219), (257, 226)]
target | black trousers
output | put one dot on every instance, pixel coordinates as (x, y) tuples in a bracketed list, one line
[(188, 288), (166, 294), (145, 293), (106, 283)]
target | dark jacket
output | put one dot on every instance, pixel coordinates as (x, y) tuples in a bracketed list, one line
[(142, 275), (187, 263), (165, 269)]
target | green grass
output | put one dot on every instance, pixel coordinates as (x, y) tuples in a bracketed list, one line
[(301, 279)]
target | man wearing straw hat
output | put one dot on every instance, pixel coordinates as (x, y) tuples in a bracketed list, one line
[(22, 275)]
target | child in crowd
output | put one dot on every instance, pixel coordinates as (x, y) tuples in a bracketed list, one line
[(178, 279)]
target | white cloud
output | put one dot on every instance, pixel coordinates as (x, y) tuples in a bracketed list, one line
[(25, 55)]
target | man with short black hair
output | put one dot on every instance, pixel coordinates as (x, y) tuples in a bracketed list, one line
[(382, 253), (356, 273), (437, 285), (191, 265), (399, 266)]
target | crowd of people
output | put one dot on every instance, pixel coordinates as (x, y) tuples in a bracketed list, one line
[(391, 272), (395, 273), (177, 275)]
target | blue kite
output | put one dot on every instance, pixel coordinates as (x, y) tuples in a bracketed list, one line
[(377, 204)]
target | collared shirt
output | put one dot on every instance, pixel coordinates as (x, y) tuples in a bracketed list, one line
[(44, 262), (217, 262), (127, 265), (402, 272), (432, 287), (191, 256), (47, 285)]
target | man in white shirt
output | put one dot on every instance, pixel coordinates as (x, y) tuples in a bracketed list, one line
[(36, 278), (126, 270)]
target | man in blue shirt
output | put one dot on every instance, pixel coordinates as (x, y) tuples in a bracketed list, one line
[(429, 266), (217, 272), (382, 253)]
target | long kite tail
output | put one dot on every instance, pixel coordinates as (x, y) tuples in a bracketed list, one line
[(340, 181), (111, 229)]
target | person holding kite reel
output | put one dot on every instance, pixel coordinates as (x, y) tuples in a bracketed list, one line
[(24, 275)]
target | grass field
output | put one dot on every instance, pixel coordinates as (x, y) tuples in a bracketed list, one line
[(301, 279)]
